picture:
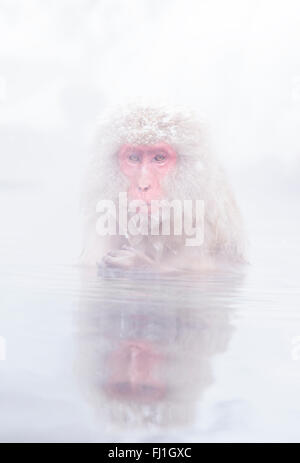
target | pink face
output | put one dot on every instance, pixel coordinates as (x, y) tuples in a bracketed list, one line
[(145, 166)]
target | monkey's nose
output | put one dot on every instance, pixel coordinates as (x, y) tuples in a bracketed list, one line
[(144, 188)]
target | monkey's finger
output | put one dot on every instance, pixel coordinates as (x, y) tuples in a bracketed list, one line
[(125, 247), (131, 250), (140, 255), (117, 262), (118, 253)]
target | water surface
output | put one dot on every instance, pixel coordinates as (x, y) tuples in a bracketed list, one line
[(93, 356)]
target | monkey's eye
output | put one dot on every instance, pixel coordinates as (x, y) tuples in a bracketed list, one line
[(160, 157), (134, 157)]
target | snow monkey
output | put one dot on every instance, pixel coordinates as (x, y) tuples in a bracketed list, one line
[(156, 197)]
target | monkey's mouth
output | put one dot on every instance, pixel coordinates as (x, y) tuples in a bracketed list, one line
[(145, 209), (148, 208)]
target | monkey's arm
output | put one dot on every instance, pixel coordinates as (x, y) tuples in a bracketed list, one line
[(128, 258)]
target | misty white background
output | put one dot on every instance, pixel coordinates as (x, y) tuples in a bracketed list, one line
[(63, 61)]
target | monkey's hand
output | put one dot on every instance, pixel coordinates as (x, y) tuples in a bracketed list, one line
[(127, 258)]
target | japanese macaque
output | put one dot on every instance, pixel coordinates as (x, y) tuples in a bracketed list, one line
[(156, 197)]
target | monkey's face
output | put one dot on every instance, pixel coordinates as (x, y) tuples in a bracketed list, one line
[(145, 166)]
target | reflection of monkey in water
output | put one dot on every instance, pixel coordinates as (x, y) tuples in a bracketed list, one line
[(153, 154), (148, 362)]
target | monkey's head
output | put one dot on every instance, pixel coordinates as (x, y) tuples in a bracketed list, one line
[(152, 153)]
